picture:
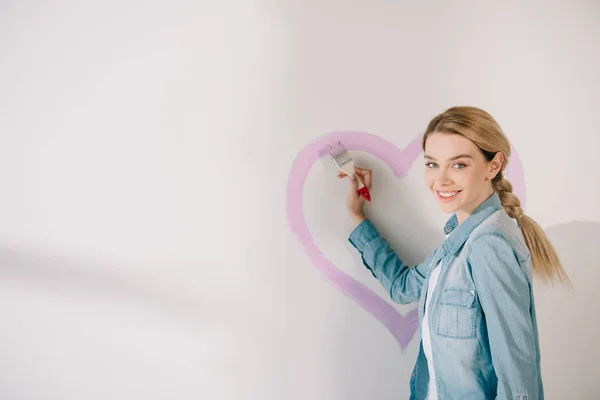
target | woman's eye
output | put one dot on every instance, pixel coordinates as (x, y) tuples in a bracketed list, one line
[(433, 165)]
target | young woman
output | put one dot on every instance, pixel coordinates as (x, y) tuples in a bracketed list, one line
[(479, 337)]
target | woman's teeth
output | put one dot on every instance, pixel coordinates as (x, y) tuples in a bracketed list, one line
[(447, 194)]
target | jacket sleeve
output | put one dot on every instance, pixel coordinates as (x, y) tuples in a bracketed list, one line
[(402, 282), (504, 295)]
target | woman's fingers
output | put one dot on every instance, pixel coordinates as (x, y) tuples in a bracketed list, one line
[(343, 175), (366, 175)]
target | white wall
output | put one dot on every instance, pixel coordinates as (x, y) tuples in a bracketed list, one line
[(145, 250)]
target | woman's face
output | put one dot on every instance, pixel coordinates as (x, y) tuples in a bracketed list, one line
[(457, 173)]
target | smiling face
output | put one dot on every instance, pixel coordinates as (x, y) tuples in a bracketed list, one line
[(458, 174)]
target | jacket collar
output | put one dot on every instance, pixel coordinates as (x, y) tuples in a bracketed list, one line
[(461, 232)]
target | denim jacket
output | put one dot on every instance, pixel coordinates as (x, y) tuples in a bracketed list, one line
[(482, 318)]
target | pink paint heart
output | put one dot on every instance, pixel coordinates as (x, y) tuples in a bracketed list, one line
[(402, 327)]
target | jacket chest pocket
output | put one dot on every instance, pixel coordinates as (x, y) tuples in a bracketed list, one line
[(457, 314)]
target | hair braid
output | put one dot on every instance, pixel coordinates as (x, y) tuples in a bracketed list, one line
[(510, 201)]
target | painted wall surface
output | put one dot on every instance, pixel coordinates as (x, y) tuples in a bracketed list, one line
[(170, 227)]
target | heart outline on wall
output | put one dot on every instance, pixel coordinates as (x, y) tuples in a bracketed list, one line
[(402, 327)]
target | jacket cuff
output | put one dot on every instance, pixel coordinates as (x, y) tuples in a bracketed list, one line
[(362, 235)]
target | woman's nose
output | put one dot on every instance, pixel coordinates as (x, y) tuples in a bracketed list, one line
[(443, 177)]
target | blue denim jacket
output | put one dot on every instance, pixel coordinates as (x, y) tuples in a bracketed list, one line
[(482, 314)]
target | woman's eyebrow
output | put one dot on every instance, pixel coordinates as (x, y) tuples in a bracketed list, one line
[(451, 158)]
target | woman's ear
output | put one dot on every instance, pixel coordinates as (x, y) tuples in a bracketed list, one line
[(495, 166)]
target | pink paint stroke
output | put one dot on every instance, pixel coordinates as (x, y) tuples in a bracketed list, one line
[(402, 327)]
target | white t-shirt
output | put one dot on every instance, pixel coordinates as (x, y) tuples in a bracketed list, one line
[(432, 391)]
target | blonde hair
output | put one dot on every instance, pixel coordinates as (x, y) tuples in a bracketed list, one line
[(482, 129)]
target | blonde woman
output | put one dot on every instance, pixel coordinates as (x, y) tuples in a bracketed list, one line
[(479, 337)]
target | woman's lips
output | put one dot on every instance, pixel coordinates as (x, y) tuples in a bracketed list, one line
[(447, 198)]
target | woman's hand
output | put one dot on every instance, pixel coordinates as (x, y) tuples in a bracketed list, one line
[(355, 202)]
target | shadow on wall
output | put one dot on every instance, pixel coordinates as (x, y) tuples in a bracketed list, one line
[(207, 335), (568, 321), (57, 273)]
